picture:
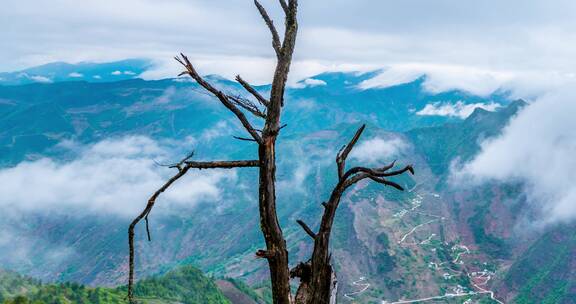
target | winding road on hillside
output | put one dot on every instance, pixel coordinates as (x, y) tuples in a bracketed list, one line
[(363, 286), (485, 276)]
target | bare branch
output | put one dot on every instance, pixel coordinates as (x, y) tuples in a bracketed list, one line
[(221, 96), (357, 174), (306, 228), (408, 168), (275, 37), (358, 177), (243, 138), (148, 229), (386, 182), (144, 214), (378, 172), (227, 164), (285, 7), (252, 91), (247, 105), (343, 154), (179, 164)]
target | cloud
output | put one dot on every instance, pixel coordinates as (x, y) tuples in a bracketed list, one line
[(295, 182), (377, 149), (315, 82), (20, 248), (442, 77), (458, 109), (537, 149), (114, 176), (75, 75), (116, 73), (41, 79), (308, 83), (36, 78)]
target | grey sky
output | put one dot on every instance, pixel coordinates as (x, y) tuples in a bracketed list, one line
[(228, 37)]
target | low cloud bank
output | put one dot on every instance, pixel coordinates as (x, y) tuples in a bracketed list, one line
[(438, 78), (113, 176), (538, 148), (458, 109)]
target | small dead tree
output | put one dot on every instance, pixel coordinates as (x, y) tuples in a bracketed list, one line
[(317, 279)]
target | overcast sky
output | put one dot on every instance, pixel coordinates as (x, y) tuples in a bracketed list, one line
[(228, 36)]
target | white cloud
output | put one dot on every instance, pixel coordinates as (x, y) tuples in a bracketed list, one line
[(295, 183), (538, 148), (41, 79), (221, 129), (308, 83), (112, 176), (311, 82), (75, 75), (116, 73), (441, 78), (377, 149), (97, 77), (458, 109), (129, 73)]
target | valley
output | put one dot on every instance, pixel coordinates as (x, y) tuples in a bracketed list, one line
[(433, 243)]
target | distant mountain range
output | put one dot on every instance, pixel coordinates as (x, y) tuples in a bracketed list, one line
[(436, 240), (83, 71)]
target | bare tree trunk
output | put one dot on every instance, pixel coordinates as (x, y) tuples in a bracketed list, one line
[(277, 254)]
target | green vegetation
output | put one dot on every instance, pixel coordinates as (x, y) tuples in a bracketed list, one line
[(13, 284), (490, 244), (543, 274), (383, 240), (185, 285)]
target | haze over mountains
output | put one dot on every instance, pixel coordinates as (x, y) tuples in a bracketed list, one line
[(80, 156)]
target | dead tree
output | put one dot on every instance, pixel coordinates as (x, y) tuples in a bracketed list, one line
[(317, 279), (316, 276)]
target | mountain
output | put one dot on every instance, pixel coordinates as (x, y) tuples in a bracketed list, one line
[(185, 285), (545, 272), (83, 71), (435, 240)]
